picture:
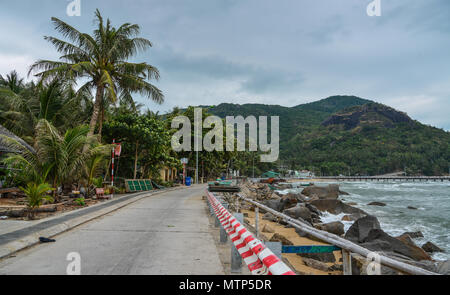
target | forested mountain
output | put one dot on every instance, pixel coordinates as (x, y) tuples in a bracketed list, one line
[(351, 135)]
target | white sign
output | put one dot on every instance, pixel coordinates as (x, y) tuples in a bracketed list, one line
[(184, 160)]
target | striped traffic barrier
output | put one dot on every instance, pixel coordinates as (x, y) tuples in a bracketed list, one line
[(258, 258)]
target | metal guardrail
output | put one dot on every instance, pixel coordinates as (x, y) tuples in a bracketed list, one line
[(259, 259), (347, 247)]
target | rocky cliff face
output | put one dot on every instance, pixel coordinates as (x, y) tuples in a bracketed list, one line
[(368, 114)]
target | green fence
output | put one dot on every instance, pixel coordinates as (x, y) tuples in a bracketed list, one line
[(138, 185)]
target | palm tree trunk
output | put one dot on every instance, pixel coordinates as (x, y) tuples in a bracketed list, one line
[(100, 123), (136, 160), (97, 108)]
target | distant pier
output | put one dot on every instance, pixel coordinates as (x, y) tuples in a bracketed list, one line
[(386, 178)]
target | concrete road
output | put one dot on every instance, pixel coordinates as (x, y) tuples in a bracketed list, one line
[(162, 234)]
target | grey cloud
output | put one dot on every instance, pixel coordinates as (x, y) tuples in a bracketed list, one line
[(296, 51)]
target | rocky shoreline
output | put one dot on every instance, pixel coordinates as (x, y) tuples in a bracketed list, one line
[(313, 202)]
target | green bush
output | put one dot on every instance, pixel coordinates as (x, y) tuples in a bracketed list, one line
[(80, 201)]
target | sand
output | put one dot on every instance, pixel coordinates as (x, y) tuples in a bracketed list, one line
[(293, 260)]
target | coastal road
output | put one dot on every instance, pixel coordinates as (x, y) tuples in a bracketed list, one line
[(161, 234)]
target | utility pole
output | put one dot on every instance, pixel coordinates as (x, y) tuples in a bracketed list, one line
[(253, 159), (196, 169)]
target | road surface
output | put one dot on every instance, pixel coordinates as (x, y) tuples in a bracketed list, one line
[(162, 234)]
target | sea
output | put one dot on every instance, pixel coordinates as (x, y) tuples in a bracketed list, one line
[(432, 200)]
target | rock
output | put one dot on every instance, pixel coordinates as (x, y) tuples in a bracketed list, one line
[(414, 235), (335, 227), (274, 196), (267, 229), (431, 248), (273, 204), (299, 212), (306, 235), (359, 267), (352, 203), (270, 217), (288, 201), (412, 208), (313, 209), (346, 218), (377, 204), (316, 264), (335, 207), (352, 217), (328, 192), (343, 193), (360, 229), (336, 267), (378, 246), (443, 267), (280, 238), (323, 257), (402, 245)]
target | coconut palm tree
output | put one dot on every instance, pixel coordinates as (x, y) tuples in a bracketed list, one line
[(55, 101), (60, 157), (102, 59), (12, 81), (36, 194)]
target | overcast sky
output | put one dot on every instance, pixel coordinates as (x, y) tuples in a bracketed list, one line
[(284, 52)]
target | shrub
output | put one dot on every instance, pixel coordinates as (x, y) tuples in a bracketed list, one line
[(36, 194)]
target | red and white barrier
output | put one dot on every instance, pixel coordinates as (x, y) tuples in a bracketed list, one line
[(259, 259)]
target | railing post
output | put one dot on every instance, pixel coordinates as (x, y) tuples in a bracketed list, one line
[(217, 222), (257, 221), (223, 233), (346, 263), (275, 247), (236, 259)]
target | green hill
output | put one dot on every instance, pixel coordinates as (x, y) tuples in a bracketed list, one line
[(351, 135)]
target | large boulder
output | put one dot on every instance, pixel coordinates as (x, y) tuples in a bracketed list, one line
[(377, 246), (360, 229), (288, 201), (327, 192), (336, 227), (402, 245), (313, 209), (299, 212), (273, 204), (335, 207), (431, 248)]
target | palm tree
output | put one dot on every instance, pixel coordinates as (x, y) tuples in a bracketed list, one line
[(101, 58), (12, 82), (36, 194), (55, 101), (60, 157)]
